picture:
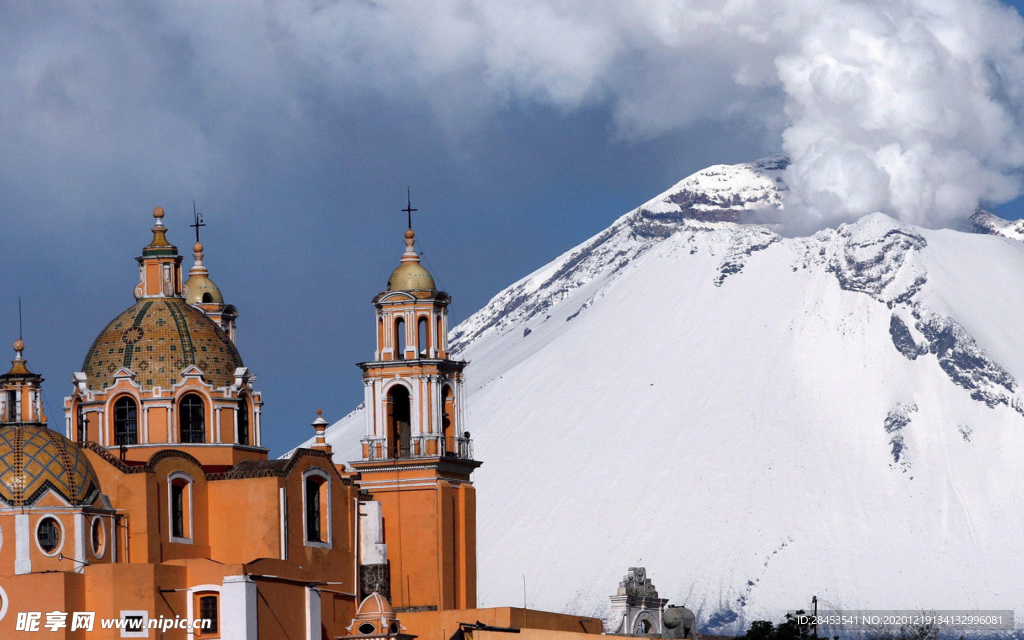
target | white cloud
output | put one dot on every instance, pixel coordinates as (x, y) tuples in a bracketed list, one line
[(912, 107)]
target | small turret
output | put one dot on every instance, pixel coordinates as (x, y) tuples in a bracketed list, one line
[(202, 293), (159, 265), (320, 425), (20, 392)]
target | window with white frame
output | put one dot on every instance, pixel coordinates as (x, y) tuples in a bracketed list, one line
[(179, 506), (316, 500)]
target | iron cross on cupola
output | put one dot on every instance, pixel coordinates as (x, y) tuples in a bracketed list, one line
[(198, 217), (408, 206)]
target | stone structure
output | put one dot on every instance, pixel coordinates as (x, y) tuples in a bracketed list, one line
[(636, 607)]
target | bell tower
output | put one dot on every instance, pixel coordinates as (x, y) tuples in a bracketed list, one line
[(417, 457)]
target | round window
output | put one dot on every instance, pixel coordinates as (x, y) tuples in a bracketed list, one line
[(48, 535), (99, 537), (394, 627), (367, 628)]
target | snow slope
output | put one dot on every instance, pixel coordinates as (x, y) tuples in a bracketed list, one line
[(755, 419)]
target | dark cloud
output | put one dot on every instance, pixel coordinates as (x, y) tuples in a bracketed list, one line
[(521, 128)]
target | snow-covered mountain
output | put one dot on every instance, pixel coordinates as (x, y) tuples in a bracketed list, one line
[(756, 419)]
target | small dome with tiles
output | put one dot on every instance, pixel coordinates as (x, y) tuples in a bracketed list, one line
[(157, 338), (35, 459)]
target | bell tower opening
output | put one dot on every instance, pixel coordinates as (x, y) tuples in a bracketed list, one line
[(448, 419), (399, 428), (400, 339), (422, 344)]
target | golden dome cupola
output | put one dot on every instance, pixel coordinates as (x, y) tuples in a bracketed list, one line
[(410, 274), (199, 289), (203, 293)]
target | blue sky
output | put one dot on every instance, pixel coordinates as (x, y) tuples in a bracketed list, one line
[(521, 130)]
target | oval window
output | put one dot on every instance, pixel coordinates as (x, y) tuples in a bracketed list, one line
[(394, 627), (367, 628), (99, 537), (48, 535)]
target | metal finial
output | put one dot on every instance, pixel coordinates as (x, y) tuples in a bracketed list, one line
[(198, 217), (21, 335), (408, 206)]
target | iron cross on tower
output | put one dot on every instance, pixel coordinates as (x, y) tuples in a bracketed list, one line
[(408, 206), (198, 220)]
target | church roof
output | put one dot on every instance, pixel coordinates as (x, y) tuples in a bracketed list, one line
[(157, 338), (34, 458)]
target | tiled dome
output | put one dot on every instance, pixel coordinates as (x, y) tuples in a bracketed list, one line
[(34, 459), (157, 338)]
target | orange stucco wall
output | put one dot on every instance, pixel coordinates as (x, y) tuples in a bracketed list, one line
[(440, 625), (430, 528)]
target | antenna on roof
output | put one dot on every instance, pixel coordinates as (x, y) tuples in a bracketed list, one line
[(21, 336), (408, 206), (198, 217)]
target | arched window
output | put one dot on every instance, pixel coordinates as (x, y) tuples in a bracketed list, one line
[(399, 339), (126, 421), (440, 334), (243, 421), (207, 298), (399, 428), (192, 419), (179, 487), (423, 344), (317, 503)]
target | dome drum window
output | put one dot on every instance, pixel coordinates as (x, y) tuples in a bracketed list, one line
[(98, 537), (126, 421), (49, 535), (192, 419)]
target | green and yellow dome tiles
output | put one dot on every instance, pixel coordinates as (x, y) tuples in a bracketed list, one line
[(34, 459), (157, 339)]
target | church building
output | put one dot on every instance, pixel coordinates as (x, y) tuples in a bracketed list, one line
[(154, 508)]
